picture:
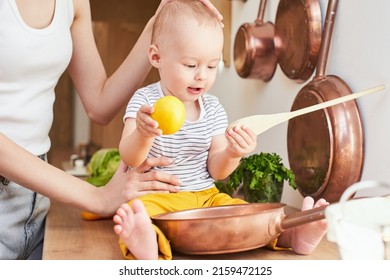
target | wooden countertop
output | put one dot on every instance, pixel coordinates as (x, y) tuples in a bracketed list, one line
[(69, 237)]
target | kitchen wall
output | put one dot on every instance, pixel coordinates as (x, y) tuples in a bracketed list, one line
[(359, 54)]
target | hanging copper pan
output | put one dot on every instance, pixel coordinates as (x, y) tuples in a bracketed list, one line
[(298, 29), (326, 147), (254, 50)]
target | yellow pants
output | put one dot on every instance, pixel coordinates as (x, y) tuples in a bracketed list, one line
[(168, 202)]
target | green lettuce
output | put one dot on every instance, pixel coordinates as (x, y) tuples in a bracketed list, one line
[(102, 166)]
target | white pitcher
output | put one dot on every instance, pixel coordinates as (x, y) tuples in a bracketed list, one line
[(360, 226)]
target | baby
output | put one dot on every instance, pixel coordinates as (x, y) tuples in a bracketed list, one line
[(187, 43)]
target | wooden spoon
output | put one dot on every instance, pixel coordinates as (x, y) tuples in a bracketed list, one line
[(261, 123)]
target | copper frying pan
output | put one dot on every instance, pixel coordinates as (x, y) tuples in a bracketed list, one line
[(230, 228), (254, 51), (298, 31), (326, 148)]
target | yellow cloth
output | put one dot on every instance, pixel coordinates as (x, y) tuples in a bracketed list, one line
[(272, 245), (168, 202)]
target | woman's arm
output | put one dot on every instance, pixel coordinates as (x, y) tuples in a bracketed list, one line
[(103, 97), (22, 167)]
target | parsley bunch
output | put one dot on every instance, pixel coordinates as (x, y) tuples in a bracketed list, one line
[(255, 173)]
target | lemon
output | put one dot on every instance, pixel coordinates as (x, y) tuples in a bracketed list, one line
[(170, 114), (90, 216)]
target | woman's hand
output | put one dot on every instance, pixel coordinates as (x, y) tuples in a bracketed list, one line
[(127, 185), (210, 6)]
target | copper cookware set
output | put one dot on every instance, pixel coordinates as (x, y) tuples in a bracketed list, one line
[(330, 160), (293, 42), (325, 147)]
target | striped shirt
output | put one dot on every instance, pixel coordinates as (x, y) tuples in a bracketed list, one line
[(189, 146)]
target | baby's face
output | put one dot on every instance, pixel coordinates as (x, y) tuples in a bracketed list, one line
[(189, 59)]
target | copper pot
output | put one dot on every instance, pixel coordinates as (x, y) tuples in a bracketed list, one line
[(254, 51), (231, 228), (298, 31), (326, 148)]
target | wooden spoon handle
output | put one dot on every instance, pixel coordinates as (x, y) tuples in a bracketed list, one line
[(336, 101), (261, 123)]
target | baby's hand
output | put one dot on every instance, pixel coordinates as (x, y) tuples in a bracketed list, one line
[(241, 141), (145, 124)]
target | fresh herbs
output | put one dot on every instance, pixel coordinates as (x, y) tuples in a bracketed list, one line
[(257, 173)]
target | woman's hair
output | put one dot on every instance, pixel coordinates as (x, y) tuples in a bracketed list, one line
[(175, 12)]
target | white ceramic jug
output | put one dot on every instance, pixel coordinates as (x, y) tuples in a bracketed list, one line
[(360, 226)]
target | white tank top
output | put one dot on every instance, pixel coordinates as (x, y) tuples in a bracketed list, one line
[(31, 62)]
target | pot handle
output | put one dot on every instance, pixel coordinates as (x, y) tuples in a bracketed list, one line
[(303, 217), (260, 15), (351, 191)]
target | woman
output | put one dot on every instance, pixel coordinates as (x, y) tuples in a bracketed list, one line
[(39, 40)]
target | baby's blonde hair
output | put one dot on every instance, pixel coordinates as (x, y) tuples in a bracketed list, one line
[(175, 12)]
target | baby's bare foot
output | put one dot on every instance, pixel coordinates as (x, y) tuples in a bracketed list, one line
[(134, 227), (305, 238)]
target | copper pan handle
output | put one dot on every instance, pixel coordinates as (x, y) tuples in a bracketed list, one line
[(326, 38), (260, 15), (303, 217)]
